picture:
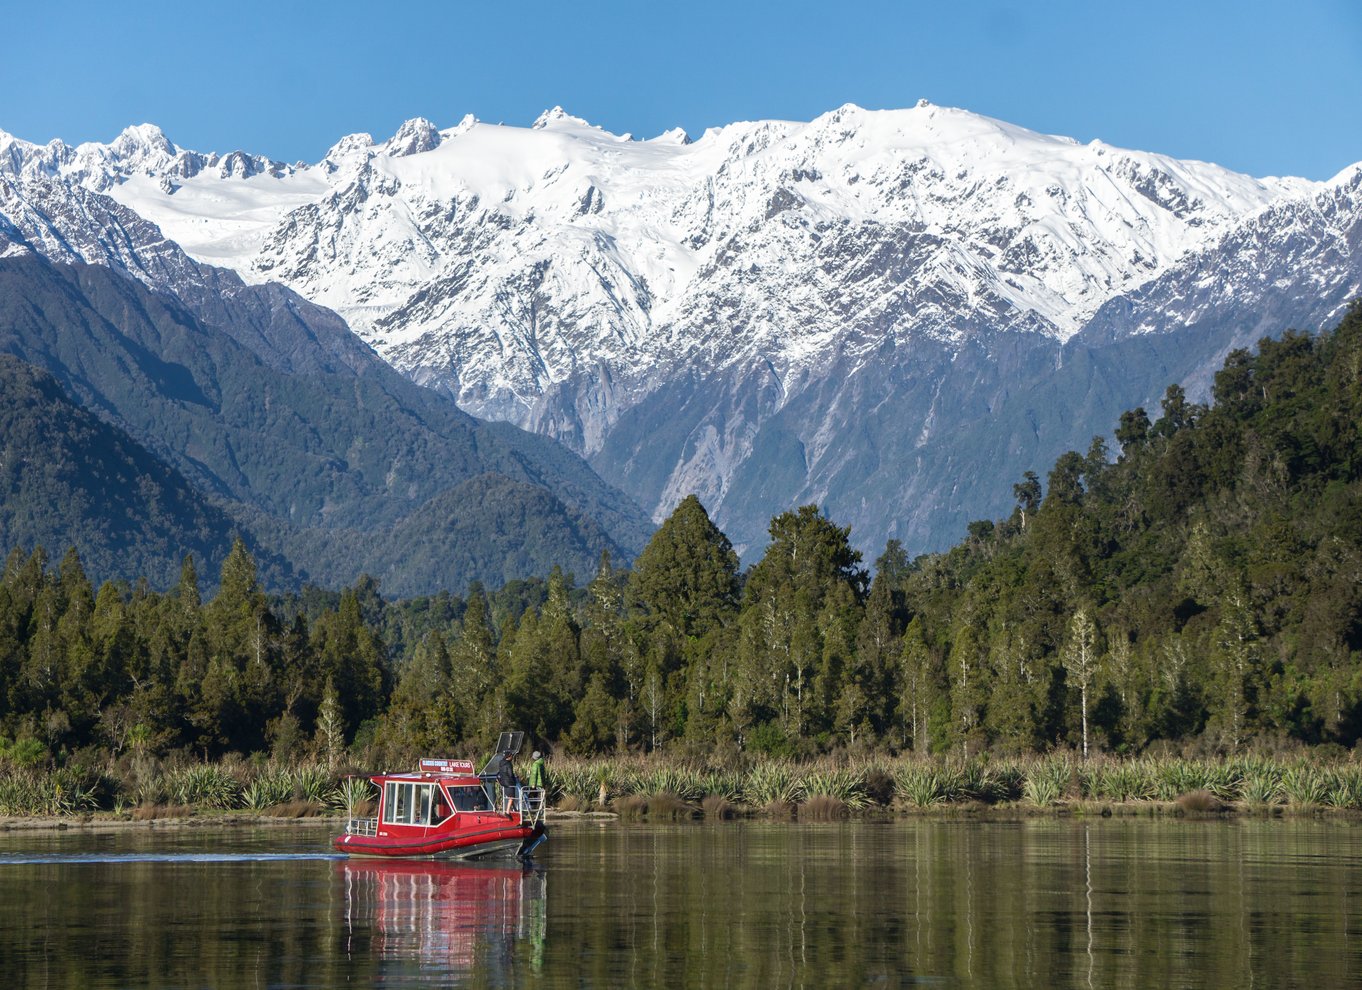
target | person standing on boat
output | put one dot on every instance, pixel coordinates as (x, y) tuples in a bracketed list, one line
[(510, 786), (539, 774)]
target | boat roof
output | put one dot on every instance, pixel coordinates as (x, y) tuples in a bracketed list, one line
[(456, 772)]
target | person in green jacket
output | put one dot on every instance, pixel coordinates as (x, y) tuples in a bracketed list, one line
[(539, 774)]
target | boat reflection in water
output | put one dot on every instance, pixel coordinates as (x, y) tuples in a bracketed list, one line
[(445, 919)]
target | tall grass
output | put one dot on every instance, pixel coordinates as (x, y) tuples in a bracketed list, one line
[(823, 787)]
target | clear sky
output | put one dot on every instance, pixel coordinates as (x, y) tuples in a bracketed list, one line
[(1265, 88)]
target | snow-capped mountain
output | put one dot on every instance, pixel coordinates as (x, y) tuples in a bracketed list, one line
[(1298, 259), (749, 315)]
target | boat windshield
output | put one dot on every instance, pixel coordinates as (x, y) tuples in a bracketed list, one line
[(471, 798)]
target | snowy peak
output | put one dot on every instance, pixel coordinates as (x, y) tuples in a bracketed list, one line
[(141, 146), (139, 151), (675, 135), (348, 147), (557, 117), (412, 138)]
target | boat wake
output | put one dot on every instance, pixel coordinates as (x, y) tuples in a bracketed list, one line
[(50, 859)]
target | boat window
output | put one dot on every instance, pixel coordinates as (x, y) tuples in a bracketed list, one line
[(424, 804), (402, 804), (470, 799), (441, 810)]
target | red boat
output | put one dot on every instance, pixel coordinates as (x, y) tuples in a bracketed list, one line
[(447, 809)]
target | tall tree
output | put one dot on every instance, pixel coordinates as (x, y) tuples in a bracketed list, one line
[(476, 674), (1080, 658), (781, 645), (687, 576)]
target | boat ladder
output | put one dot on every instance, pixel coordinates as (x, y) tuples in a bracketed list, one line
[(531, 805)]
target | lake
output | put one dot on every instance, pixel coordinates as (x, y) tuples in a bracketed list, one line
[(1033, 903)]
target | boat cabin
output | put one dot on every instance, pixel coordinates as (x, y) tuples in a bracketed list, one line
[(432, 794)]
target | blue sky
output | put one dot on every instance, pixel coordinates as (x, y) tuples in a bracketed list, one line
[(1266, 88)]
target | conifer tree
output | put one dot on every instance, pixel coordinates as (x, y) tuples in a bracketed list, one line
[(872, 662), (781, 644), (604, 646), (475, 672), (559, 631), (687, 576), (419, 714), (921, 688)]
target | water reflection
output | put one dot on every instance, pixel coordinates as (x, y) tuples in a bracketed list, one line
[(1115, 903), (443, 920), (982, 904)]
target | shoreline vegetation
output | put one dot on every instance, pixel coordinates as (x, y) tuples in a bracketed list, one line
[(237, 793)]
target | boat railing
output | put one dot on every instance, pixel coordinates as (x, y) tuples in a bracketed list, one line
[(530, 804), (361, 826)]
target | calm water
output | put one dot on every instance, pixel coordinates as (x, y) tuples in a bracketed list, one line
[(1106, 903)]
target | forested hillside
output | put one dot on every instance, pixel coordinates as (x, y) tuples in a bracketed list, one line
[(1195, 582), (69, 479), (334, 466)]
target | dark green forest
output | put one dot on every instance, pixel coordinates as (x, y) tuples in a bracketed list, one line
[(1194, 583), (272, 422)]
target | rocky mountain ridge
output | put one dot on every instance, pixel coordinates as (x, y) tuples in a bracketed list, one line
[(771, 313)]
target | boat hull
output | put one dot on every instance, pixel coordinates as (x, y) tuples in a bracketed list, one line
[(464, 844)]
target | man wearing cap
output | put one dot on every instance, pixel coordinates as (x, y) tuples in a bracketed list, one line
[(539, 776)]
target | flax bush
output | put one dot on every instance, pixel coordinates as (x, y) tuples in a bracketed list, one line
[(773, 783), (203, 784), (844, 785), (1047, 781), (313, 783), (1262, 785), (725, 784), (1305, 786), (1345, 789), (922, 784), (1120, 782), (685, 783), (267, 790), (350, 793)]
